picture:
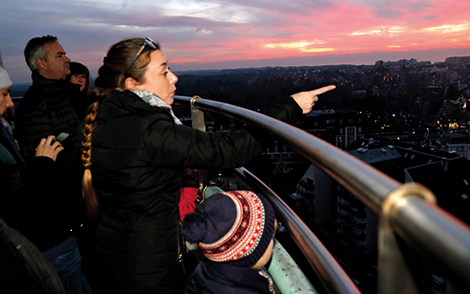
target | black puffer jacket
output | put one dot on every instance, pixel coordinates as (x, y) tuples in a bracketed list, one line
[(45, 109), (138, 154)]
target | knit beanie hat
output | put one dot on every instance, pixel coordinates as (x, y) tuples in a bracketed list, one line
[(232, 226), (5, 81)]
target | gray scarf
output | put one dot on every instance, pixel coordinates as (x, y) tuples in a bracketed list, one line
[(154, 100)]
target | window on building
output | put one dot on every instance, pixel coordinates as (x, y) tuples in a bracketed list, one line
[(464, 196)]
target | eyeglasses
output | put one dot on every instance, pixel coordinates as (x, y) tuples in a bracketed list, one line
[(147, 42)]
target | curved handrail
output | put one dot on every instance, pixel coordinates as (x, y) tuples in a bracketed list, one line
[(333, 276), (373, 188), (361, 179)]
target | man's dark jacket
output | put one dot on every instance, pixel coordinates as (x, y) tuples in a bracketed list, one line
[(45, 110), (138, 155)]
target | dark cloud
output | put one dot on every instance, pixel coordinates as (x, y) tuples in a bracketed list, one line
[(282, 6), (417, 6), (431, 17), (388, 14)]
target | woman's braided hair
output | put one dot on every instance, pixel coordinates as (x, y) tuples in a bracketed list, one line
[(111, 76)]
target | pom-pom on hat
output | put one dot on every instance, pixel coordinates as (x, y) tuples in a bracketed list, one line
[(5, 81), (232, 226)]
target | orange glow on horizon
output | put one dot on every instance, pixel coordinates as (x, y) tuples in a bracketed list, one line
[(302, 46)]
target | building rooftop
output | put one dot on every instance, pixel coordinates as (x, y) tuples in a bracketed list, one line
[(449, 180), (375, 155)]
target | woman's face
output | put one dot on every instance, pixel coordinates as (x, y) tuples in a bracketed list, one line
[(158, 77), (79, 79)]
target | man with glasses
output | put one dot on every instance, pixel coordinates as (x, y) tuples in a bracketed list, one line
[(47, 108)]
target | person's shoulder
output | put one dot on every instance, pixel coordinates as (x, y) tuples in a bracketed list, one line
[(134, 104), (156, 120), (207, 276), (34, 97)]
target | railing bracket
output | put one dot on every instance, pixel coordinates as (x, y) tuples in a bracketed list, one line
[(197, 116), (399, 267)]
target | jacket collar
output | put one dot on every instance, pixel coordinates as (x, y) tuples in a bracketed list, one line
[(242, 276), (49, 84), (154, 100)]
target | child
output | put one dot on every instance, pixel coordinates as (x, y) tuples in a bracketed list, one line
[(234, 231)]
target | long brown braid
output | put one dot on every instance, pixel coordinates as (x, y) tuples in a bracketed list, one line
[(111, 75), (89, 193)]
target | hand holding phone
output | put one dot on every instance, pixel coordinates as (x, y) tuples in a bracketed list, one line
[(49, 148)]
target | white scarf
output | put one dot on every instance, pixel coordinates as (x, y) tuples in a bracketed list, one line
[(154, 100)]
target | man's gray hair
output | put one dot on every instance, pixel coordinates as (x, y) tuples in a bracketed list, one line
[(34, 50)]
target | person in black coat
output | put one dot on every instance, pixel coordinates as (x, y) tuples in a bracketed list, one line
[(46, 107), (80, 75), (44, 112), (134, 152)]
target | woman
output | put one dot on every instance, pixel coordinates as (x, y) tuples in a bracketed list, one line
[(136, 150), (80, 75)]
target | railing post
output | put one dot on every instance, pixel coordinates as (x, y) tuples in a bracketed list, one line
[(198, 123), (197, 116), (400, 269)]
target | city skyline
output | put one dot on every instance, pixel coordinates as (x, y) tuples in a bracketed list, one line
[(239, 34)]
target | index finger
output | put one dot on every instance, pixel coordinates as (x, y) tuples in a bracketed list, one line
[(322, 90)]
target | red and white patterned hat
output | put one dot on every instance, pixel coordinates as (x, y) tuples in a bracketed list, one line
[(233, 226)]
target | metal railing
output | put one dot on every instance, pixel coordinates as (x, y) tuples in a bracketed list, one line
[(413, 230), (331, 274)]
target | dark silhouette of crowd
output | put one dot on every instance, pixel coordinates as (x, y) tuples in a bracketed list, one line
[(95, 184)]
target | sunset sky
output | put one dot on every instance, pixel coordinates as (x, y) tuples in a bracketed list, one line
[(241, 33)]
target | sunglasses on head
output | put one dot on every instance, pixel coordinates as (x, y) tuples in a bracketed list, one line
[(147, 42)]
